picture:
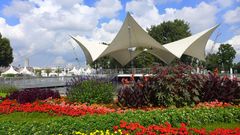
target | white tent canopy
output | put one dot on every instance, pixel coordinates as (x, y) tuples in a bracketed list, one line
[(131, 35), (74, 71), (25, 71), (11, 70), (193, 45), (91, 49)]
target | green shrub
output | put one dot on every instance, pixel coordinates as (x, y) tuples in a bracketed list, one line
[(91, 91), (6, 88), (9, 75)]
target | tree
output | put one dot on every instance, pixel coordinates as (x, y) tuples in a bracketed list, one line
[(171, 31), (236, 67), (212, 61), (48, 70), (6, 56), (143, 60), (226, 54), (106, 63)]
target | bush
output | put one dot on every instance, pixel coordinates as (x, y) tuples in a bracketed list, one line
[(176, 85), (9, 75), (221, 89), (30, 95), (170, 86), (5, 88), (90, 90), (134, 94)]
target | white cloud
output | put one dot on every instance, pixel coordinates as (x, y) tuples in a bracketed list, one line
[(145, 12), (212, 47), (17, 8), (235, 29), (67, 4), (80, 17), (108, 31), (14, 32), (232, 16), (59, 61), (201, 17), (223, 3), (108, 8), (235, 42), (45, 26)]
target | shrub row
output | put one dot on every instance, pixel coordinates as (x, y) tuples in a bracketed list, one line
[(90, 90), (30, 95), (177, 86), (89, 123)]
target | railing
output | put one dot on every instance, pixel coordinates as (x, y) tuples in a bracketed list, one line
[(30, 82)]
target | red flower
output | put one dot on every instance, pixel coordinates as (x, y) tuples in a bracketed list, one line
[(115, 128), (123, 124)]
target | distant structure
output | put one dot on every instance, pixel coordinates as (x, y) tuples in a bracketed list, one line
[(26, 62)]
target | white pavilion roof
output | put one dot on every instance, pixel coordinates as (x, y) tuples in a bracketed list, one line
[(193, 45), (131, 35)]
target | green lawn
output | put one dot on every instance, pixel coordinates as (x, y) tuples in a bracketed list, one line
[(20, 117)]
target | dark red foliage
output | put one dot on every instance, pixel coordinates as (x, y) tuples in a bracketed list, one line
[(30, 95), (134, 93), (221, 88), (176, 85)]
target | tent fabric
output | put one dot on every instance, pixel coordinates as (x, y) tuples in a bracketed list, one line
[(91, 49), (193, 46), (11, 70), (132, 35), (74, 71), (26, 71), (124, 56)]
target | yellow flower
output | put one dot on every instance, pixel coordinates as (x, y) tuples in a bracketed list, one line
[(107, 132), (120, 131), (79, 133)]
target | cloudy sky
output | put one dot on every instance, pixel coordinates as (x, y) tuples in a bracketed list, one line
[(40, 29)]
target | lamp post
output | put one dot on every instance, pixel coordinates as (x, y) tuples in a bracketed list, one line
[(130, 49)]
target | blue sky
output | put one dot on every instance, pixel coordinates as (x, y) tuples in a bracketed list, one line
[(40, 29)]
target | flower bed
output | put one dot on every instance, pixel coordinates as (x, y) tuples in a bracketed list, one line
[(10, 106), (136, 128), (75, 127), (150, 121)]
